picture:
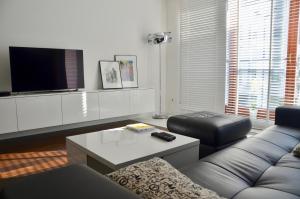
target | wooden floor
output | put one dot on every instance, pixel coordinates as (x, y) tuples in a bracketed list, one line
[(35, 154)]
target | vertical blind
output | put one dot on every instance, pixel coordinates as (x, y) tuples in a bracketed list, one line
[(202, 54), (262, 65)]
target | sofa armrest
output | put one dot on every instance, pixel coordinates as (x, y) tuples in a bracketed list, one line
[(288, 116), (74, 181)]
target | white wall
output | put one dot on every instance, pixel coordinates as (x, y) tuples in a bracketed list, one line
[(172, 100), (102, 28)]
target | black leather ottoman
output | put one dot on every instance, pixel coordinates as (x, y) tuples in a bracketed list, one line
[(215, 131)]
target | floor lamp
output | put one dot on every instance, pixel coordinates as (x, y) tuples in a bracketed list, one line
[(159, 39)]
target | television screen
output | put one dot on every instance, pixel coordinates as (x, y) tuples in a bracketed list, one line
[(44, 69)]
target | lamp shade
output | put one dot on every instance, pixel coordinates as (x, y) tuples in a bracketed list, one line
[(159, 38)]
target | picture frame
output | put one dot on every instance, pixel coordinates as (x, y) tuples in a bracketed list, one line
[(128, 70), (110, 74)]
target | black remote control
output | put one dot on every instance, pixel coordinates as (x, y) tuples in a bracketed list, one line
[(164, 136)]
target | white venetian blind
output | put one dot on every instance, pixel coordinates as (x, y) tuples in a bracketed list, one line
[(298, 72), (253, 53), (261, 40), (203, 54), (262, 54), (278, 52), (292, 69)]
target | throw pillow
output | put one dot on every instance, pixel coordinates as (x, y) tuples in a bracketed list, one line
[(297, 151), (157, 179)]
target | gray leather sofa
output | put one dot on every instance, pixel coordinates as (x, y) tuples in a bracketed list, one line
[(262, 166)]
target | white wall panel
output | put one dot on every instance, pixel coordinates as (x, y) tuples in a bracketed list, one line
[(80, 107), (114, 104), (39, 111), (8, 115), (142, 101)]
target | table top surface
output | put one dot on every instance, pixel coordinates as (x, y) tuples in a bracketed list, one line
[(120, 146)]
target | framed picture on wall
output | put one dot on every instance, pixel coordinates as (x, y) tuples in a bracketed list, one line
[(110, 74), (128, 69)]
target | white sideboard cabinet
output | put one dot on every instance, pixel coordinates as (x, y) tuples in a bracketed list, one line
[(35, 111)]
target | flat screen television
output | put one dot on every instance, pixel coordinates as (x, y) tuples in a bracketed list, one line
[(45, 69)]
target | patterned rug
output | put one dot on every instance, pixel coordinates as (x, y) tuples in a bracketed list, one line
[(22, 164)]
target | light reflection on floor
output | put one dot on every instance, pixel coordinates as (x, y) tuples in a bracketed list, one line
[(22, 164)]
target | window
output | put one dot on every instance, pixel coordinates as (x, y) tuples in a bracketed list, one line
[(298, 83), (261, 61), (298, 69)]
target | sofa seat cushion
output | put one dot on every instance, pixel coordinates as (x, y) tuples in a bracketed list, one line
[(283, 140), (265, 193), (284, 179), (243, 164), (286, 130), (258, 147), (156, 179), (215, 178), (289, 160)]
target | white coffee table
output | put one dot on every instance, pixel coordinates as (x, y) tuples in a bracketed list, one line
[(109, 150)]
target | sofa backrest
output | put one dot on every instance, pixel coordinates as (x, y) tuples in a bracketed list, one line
[(288, 116)]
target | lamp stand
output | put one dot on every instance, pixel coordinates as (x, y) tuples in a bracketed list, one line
[(160, 115)]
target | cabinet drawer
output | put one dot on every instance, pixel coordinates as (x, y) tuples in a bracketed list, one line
[(39, 112), (80, 107), (114, 104), (8, 116)]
